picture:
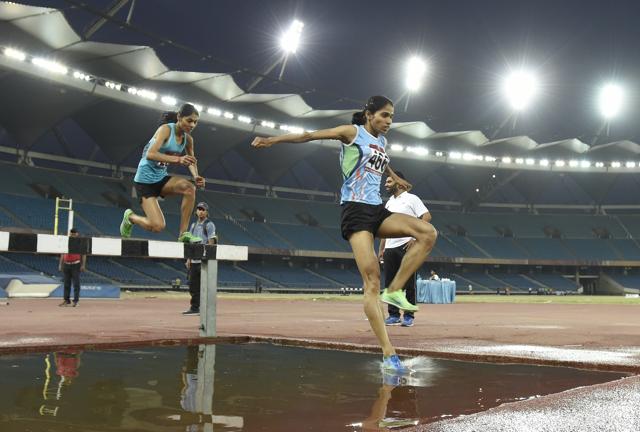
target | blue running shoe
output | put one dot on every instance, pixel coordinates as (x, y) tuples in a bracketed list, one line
[(393, 364), (392, 320), (407, 321), (393, 379)]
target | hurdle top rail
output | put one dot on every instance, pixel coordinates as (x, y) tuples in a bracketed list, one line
[(104, 246), (115, 247)]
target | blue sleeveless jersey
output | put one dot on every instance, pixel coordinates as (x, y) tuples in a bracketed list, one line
[(150, 171), (362, 163)]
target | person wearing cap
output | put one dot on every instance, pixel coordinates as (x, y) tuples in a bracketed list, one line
[(392, 250), (206, 230), (71, 265)]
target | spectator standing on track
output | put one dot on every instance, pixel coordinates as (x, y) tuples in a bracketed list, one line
[(71, 265), (206, 230)]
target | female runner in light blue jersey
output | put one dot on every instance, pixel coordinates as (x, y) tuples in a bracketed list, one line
[(171, 144), (363, 161)]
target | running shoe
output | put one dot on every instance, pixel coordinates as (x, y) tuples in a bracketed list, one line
[(187, 237), (126, 226), (392, 320), (393, 364), (407, 321), (398, 299)]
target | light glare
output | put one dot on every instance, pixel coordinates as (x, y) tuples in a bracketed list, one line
[(416, 70), (290, 40), (15, 54), (610, 100), (520, 88)]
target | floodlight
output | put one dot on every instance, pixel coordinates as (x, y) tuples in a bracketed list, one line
[(520, 88), (167, 100), (290, 40), (397, 147), (415, 72), (148, 94), (610, 100), (15, 54), (49, 65)]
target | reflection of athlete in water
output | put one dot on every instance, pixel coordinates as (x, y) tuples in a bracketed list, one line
[(363, 161), (171, 144), (395, 406)]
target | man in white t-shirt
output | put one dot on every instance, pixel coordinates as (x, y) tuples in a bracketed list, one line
[(392, 250)]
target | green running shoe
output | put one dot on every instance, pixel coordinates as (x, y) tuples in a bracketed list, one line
[(126, 226), (398, 299), (187, 237)]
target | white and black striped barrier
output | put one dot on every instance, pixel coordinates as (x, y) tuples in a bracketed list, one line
[(348, 290), (103, 246)]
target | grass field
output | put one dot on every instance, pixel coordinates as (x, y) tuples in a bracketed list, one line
[(516, 299)]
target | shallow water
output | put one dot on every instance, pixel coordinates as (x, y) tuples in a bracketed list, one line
[(255, 387)]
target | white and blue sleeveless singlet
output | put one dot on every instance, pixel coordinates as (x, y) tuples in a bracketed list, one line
[(363, 162), (150, 171)]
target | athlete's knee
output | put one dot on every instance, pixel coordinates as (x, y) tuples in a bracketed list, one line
[(157, 227), (372, 277), (427, 234), (187, 188)]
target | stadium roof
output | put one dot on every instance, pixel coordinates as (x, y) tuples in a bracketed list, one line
[(118, 124)]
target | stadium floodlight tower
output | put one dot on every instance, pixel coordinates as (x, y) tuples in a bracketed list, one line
[(289, 43), (520, 88), (415, 72), (610, 103)]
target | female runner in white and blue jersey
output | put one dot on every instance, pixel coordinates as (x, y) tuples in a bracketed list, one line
[(363, 161), (171, 144)]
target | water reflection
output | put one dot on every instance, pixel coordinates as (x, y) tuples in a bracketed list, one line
[(66, 365), (255, 387), (395, 406)]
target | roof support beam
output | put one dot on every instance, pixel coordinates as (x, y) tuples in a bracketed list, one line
[(99, 22)]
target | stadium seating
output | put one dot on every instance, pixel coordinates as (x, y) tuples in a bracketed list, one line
[(294, 224)]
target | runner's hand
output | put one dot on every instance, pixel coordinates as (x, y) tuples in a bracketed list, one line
[(199, 182), (261, 142), (187, 160), (403, 183)]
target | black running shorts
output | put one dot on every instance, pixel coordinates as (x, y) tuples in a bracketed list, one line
[(362, 217), (148, 190)]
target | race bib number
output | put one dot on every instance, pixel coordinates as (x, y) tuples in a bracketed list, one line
[(378, 162)]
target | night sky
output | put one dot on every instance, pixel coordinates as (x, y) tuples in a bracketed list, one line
[(354, 49)]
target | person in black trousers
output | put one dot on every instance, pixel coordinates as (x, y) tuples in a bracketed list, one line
[(206, 230), (71, 265), (393, 250)]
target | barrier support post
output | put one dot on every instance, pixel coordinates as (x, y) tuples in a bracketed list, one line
[(208, 295)]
